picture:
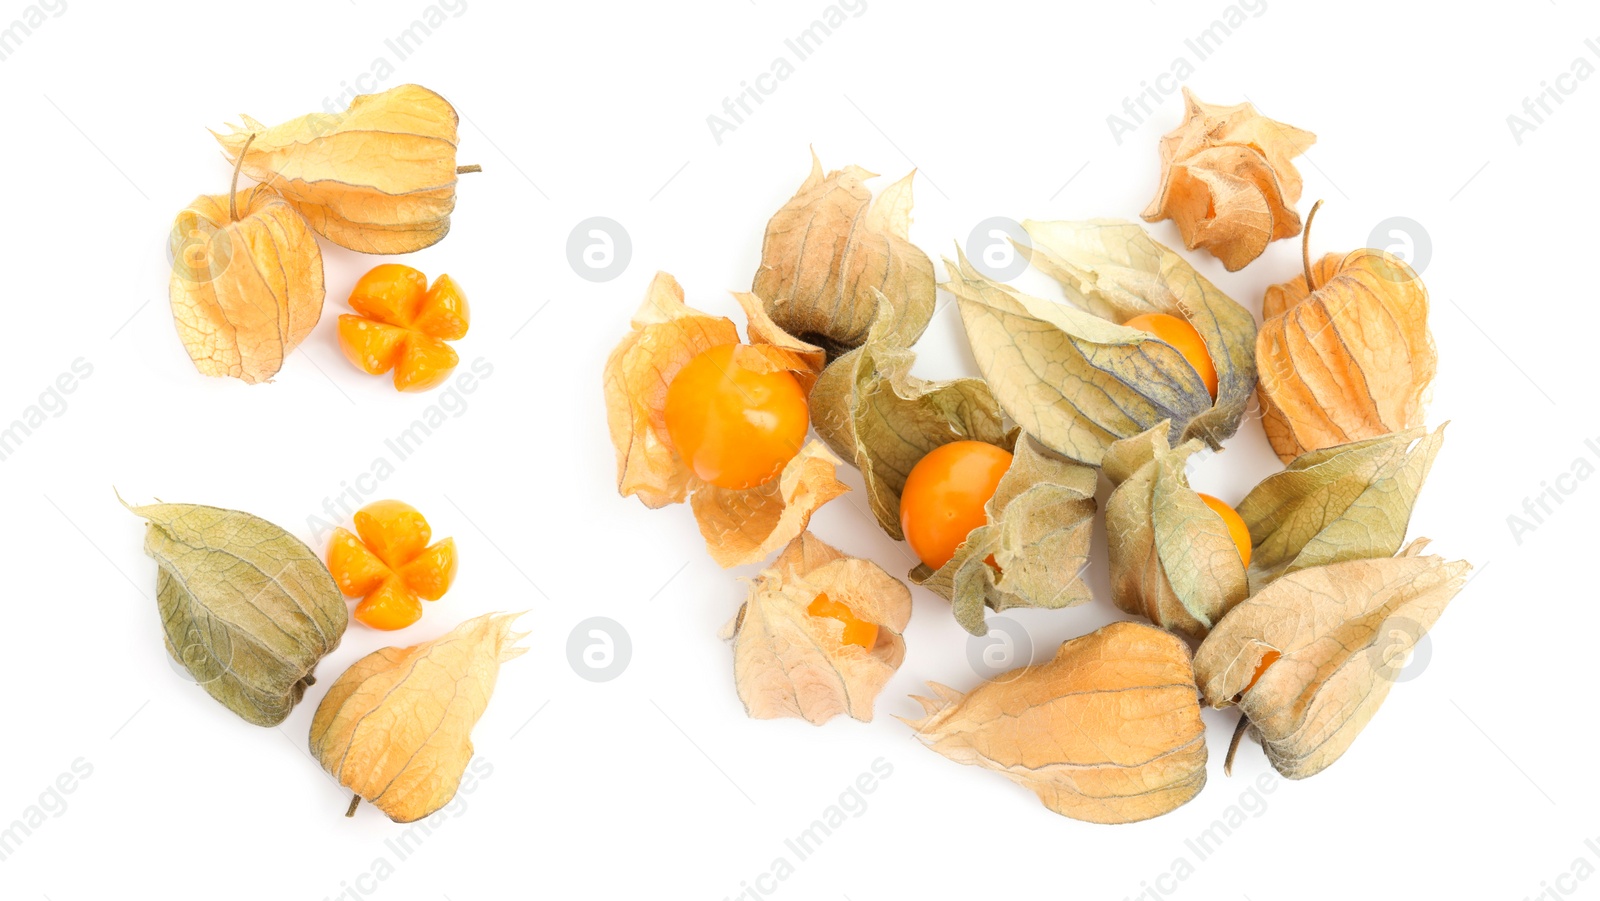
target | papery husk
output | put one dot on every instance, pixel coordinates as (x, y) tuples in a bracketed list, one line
[(1228, 181), (788, 663), (739, 526), (873, 412), (1038, 528), (830, 248), (1109, 731), (244, 292), (396, 727), (379, 177), (246, 608), (1072, 375), (1349, 361), (1343, 631), (743, 527), (666, 335), (1341, 503), (1172, 558)]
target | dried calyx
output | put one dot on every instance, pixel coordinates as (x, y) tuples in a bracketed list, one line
[(1344, 353)]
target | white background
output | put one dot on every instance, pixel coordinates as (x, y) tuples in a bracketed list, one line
[(1471, 782)]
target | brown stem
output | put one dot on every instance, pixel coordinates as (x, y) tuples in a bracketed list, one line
[(462, 170), (355, 801), (1233, 745), (233, 188), (1305, 246)]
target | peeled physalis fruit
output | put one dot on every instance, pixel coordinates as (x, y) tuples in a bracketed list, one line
[(1228, 181), (401, 323), (1345, 502), (735, 425), (1033, 543), (740, 525), (396, 728), (1310, 658), (872, 411), (391, 566), (819, 635), (1178, 557), (1109, 731), (945, 497), (246, 607), (379, 177), (1344, 352), (1081, 375), (833, 262), (246, 285)]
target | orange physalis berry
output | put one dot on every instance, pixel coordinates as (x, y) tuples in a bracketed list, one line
[(1237, 530), (736, 427), (391, 566), (402, 324), (857, 631), (1184, 339), (945, 495)]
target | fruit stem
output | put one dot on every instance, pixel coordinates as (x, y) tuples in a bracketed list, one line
[(1233, 746), (355, 801), (1305, 246), (462, 170), (233, 187)]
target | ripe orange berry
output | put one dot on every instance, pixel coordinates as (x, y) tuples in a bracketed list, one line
[(1236, 527), (735, 427), (402, 324), (1183, 337), (1267, 660), (391, 566), (945, 494), (857, 631)]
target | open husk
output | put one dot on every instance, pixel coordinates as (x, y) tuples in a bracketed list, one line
[(873, 412), (1071, 375), (1228, 181), (1310, 658), (1341, 503), (1172, 558), (739, 527), (1349, 358), (833, 261), (788, 663), (1109, 731), (379, 177), (1038, 528)]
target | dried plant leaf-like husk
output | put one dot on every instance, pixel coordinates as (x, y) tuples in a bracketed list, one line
[(740, 527), (246, 607), (1342, 632), (1227, 180), (396, 727), (379, 177), (1039, 523), (830, 248), (1109, 731), (872, 411), (1071, 375), (788, 663), (1340, 503), (244, 292), (1172, 558), (1348, 361)]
